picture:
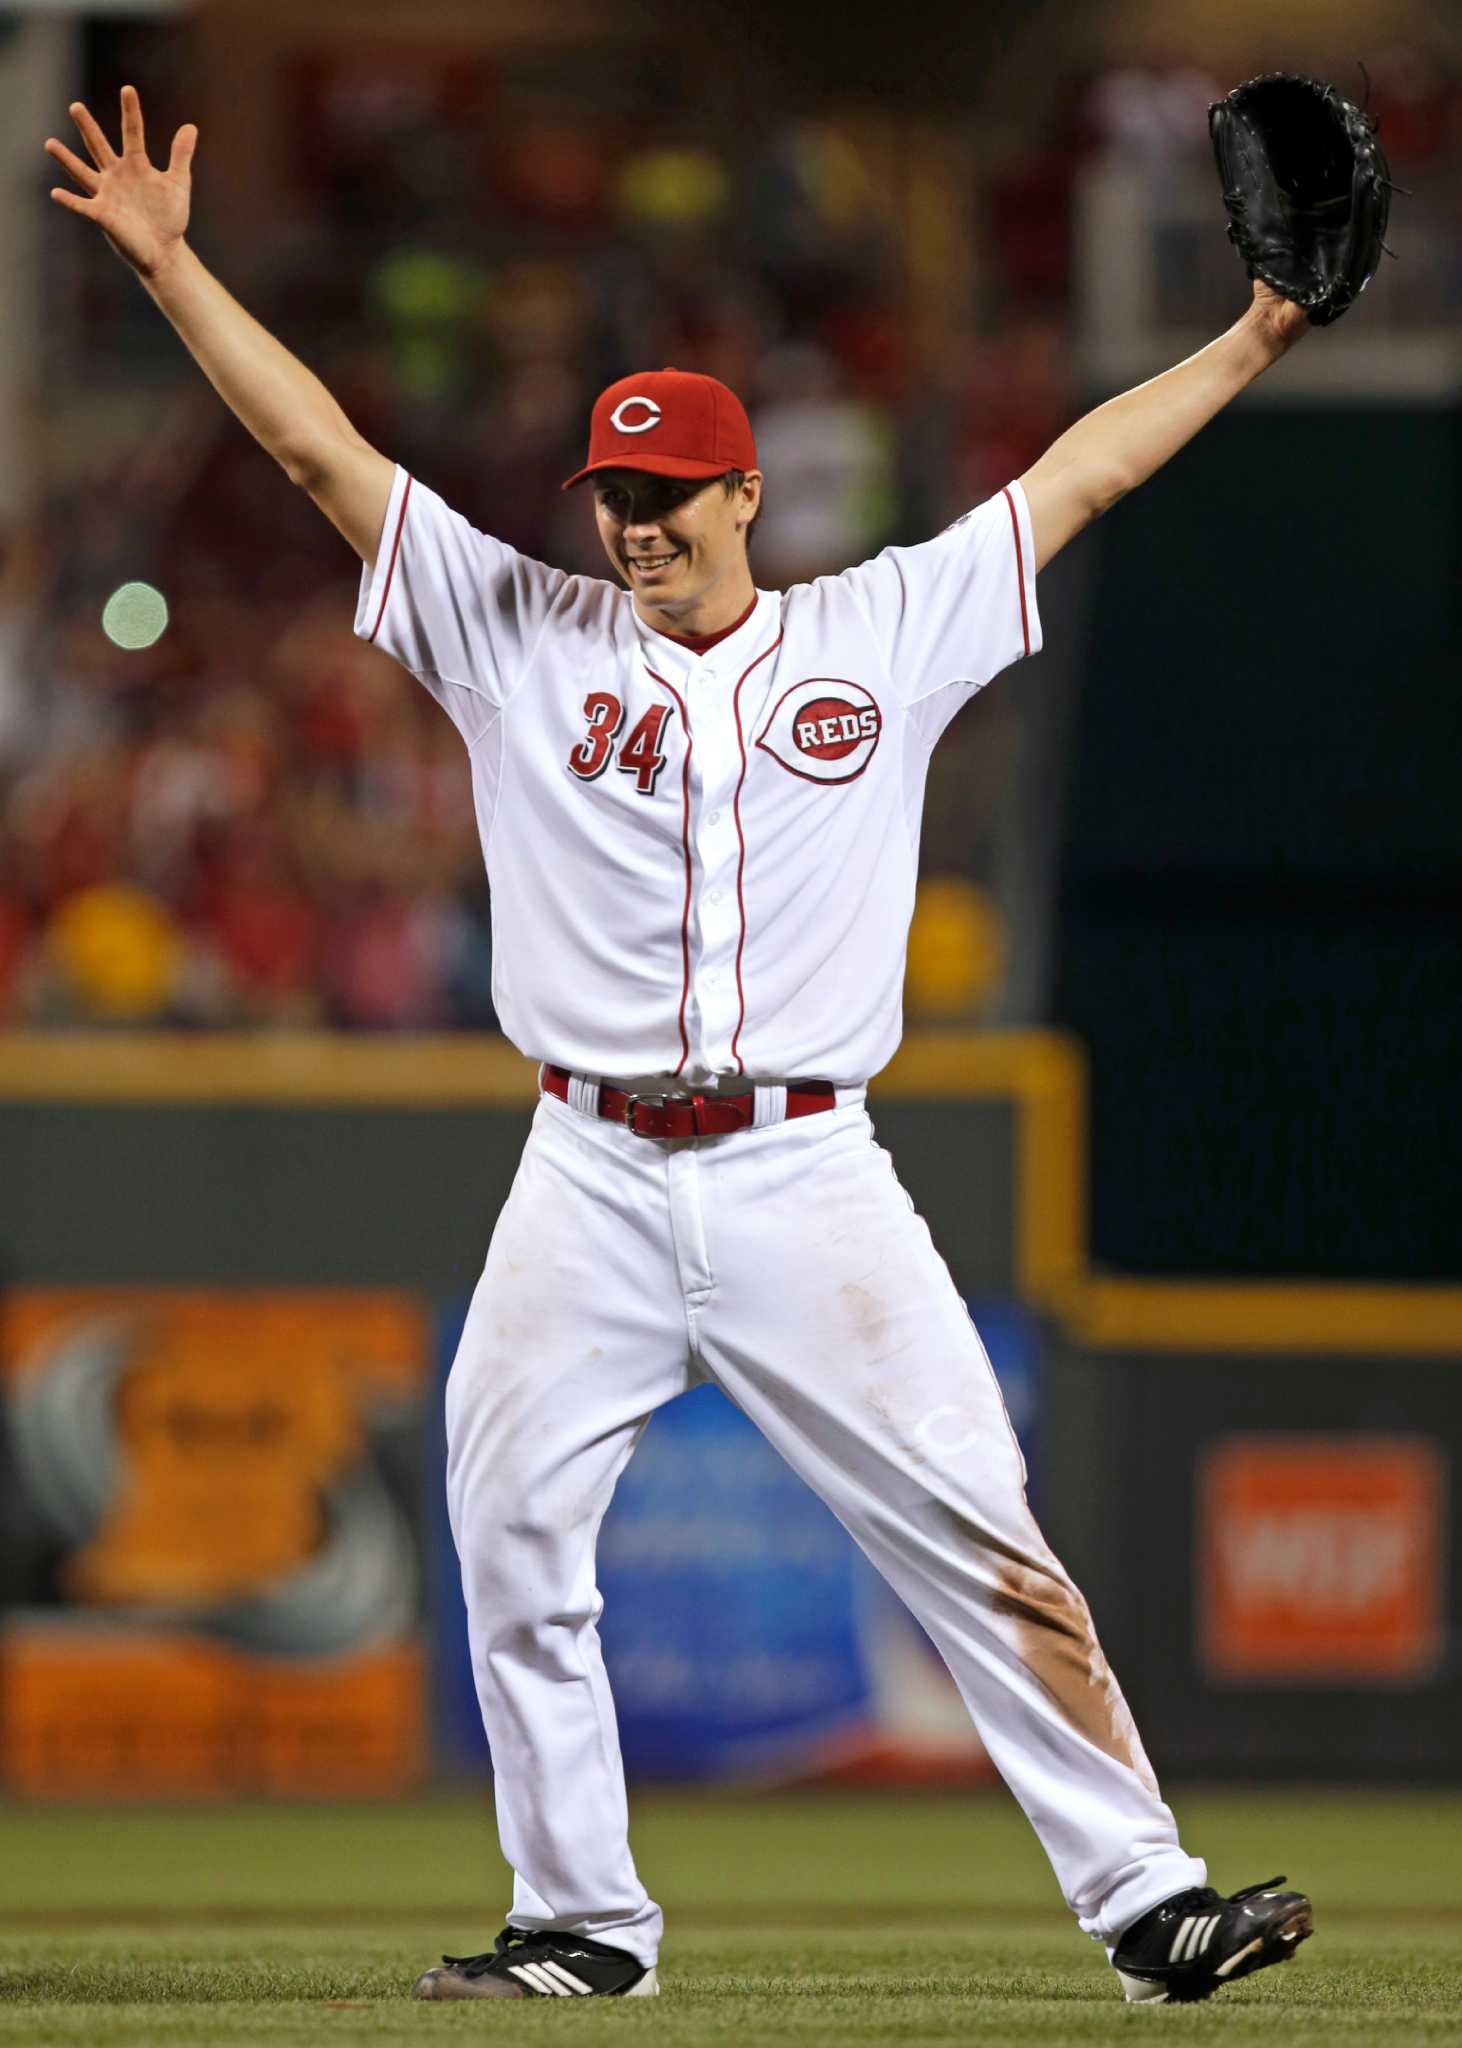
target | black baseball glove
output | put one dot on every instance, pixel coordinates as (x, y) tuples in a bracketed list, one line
[(1307, 188)]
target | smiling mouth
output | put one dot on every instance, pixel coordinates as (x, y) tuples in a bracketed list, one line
[(643, 562)]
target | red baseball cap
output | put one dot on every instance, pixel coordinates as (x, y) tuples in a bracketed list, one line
[(671, 423)]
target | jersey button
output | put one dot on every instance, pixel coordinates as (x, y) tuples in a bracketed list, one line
[(715, 895), (714, 818)]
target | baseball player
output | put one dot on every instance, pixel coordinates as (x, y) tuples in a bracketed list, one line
[(699, 806)]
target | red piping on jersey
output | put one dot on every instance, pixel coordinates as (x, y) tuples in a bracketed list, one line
[(741, 862), (685, 842), (1025, 624), (391, 565)]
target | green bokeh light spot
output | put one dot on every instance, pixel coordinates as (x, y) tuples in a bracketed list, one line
[(135, 616)]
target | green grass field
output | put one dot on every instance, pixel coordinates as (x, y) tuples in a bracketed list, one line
[(820, 1919)]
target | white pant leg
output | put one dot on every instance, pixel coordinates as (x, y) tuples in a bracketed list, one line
[(835, 1325), (575, 1335)]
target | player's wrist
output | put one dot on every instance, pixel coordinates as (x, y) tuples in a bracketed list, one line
[(1262, 339), (1277, 321), (157, 272)]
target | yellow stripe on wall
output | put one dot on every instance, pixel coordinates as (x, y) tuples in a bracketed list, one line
[(1108, 1312), (305, 1068)]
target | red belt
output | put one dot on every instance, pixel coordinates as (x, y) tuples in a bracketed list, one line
[(690, 1116)]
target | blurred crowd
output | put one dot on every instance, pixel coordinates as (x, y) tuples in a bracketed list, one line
[(257, 820)]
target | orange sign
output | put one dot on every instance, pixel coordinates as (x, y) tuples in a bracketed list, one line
[(237, 1576), (98, 1711), (1320, 1558)]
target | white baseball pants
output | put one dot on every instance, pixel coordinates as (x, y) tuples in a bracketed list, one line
[(787, 1265)]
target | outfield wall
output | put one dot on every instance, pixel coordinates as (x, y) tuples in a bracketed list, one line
[(231, 1275)]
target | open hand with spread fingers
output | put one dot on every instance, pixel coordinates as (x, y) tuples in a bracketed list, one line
[(142, 211)]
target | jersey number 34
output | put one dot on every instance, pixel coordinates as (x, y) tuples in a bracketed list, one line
[(639, 753)]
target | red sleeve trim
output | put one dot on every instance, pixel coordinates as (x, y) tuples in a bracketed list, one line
[(395, 550), (1025, 624)]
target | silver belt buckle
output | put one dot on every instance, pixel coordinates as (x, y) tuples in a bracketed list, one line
[(632, 1103)]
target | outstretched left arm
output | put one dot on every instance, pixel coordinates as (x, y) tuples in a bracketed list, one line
[(1118, 446)]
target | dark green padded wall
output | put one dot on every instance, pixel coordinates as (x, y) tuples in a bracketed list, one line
[(91, 1193), (1259, 926)]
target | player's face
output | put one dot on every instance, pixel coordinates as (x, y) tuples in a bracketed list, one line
[(673, 541)]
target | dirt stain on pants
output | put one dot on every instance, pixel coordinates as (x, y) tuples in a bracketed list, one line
[(1049, 1626)]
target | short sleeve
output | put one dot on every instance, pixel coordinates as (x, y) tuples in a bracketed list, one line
[(952, 612), (462, 611)]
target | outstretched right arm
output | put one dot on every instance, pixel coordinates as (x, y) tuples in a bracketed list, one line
[(143, 212)]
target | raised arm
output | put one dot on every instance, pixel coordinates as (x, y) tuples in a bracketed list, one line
[(1112, 450), (143, 213)]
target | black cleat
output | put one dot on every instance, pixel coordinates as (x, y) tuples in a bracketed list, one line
[(1197, 1941), (525, 1965)]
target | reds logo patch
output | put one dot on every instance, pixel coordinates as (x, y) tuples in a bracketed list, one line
[(647, 415), (824, 729)]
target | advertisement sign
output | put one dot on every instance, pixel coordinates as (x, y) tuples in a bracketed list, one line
[(744, 1633), (212, 1581), (1321, 1559)]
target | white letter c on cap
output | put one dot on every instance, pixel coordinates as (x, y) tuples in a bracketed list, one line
[(621, 425)]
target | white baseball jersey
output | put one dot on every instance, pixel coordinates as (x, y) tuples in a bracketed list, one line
[(701, 866)]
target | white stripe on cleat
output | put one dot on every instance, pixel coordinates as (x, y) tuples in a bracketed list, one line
[(566, 1977)]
